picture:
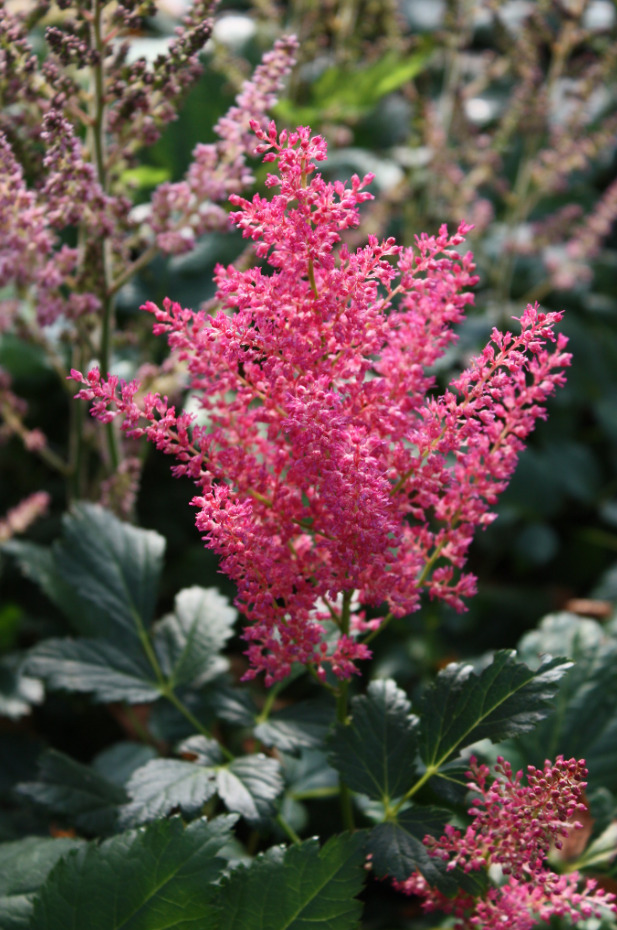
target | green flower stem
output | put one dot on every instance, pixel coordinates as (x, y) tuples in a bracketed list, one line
[(314, 794), (97, 140), (311, 277), (431, 770), (341, 716), (274, 692), (384, 623)]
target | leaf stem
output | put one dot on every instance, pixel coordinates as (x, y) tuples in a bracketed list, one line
[(168, 692), (274, 692), (288, 829), (173, 698)]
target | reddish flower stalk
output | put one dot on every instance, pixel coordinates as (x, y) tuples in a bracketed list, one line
[(512, 831), (327, 465)]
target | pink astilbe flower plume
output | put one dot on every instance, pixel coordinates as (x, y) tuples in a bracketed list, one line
[(327, 465), (513, 829)]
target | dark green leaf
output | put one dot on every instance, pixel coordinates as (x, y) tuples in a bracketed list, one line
[(398, 851), (76, 791), (188, 641), (234, 705), (162, 785), (157, 877), (95, 667), (300, 726), (309, 775), (118, 762), (19, 753), (376, 751), (166, 723), (353, 91), (38, 563), (113, 567), (584, 724), (300, 889), (506, 698), (24, 866), (18, 692), (250, 786)]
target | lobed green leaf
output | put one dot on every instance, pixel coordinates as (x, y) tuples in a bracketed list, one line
[(188, 642), (113, 568), (97, 667), (376, 752), (250, 786), (163, 785), (300, 888), (505, 699), (153, 878), (24, 866), (87, 799), (301, 726)]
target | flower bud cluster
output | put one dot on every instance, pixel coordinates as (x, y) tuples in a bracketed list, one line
[(513, 829), (327, 463)]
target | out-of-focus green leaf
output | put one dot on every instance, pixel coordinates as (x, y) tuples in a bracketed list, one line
[(18, 692), (234, 705), (38, 564), (309, 775), (584, 724), (94, 666), (375, 753), (24, 866), (188, 642), (143, 176), (299, 889), (76, 791), (601, 852), (153, 878), (118, 762), (346, 92), (506, 698), (10, 617)]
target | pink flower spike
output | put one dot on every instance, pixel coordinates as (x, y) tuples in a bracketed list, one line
[(326, 462)]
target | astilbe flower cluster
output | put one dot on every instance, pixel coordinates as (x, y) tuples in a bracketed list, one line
[(513, 829), (327, 464)]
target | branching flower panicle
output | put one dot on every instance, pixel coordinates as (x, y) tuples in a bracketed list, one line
[(513, 829), (328, 464)]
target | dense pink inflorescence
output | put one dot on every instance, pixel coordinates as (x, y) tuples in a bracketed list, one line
[(514, 827), (326, 464)]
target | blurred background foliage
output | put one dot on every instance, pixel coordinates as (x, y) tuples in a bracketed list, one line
[(502, 113)]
